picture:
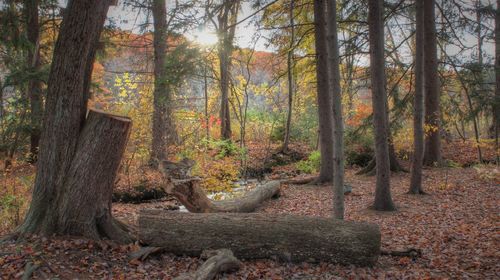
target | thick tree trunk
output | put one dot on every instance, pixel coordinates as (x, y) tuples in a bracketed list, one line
[(289, 63), (324, 95), (260, 236), (89, 69), (192, 196), (418, 105), (76, 168), (34, 85), (432, 154), (338, 125), (383, 199), (161, 98)]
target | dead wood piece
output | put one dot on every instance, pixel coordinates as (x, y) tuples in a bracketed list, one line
[(193, 197), (144, 252), (313, 181), (178, 170), (301, 181), (219, 261), (262, 236)]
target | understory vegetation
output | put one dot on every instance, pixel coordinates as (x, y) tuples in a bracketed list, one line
[(138, 136)]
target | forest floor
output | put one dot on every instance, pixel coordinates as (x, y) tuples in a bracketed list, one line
[(456, 226)]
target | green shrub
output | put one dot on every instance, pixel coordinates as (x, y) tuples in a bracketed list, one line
[(225, 148), (358, 147), (452, 164), (311, 164), (278, 133)]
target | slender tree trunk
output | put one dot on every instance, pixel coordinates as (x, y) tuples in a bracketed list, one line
[(338, 125), (1, 100), (227, 27), (76, 168), (34, 85), (205, 91), (290, 77), (418, 105), (160, 94), (383, 199), (324, 95), (496, 103), (479, 87), (432, 154)]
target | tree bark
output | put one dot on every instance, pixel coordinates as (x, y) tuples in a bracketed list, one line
[(191, 195), (86, 207), (338, 125), (218, 261), (289, 63), (383, 200), (418, 105), (34, 85), (260, 236), (496, 103), (161, 96), (226, 29), (324, 95), (432, 154), (64, 190)]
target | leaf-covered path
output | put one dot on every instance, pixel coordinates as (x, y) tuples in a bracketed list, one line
[(456, 226)]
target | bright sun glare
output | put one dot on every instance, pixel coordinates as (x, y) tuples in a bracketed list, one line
[(205, 37)]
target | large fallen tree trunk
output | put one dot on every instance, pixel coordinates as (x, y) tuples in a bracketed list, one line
[(262, 236), (193, 197)]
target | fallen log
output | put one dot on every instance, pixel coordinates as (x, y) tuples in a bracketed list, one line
[(218, 261), (262, 236), (193, 197)]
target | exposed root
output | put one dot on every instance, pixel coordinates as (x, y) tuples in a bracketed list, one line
[(368, 168), (410, 252), (419, 192), (115, 230), (30, 268), (10, 237), (371, 168), (144, 252), (218, 261)]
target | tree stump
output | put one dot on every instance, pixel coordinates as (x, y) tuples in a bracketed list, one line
[(262, 236), (86, 206)]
